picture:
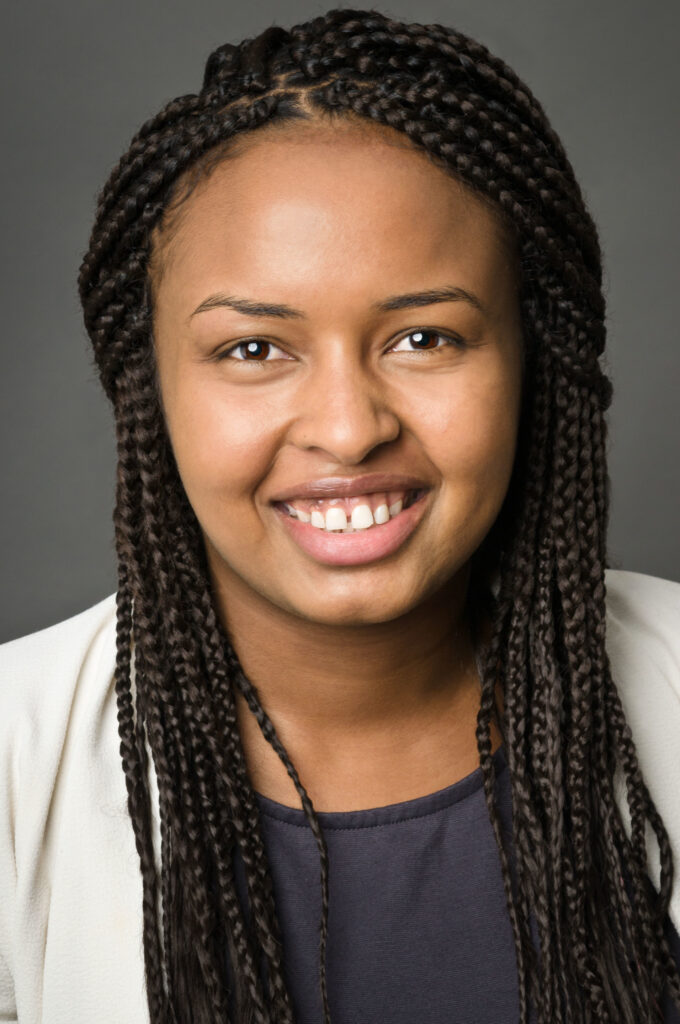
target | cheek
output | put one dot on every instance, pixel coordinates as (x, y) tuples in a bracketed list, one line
[(223, 446), (472, 433)]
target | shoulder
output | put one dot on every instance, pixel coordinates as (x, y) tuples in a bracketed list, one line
[(32, 666), (643, 644), (68, 635), (643, 610), (40, 674)]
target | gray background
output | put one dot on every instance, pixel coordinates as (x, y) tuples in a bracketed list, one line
[(78, 78)]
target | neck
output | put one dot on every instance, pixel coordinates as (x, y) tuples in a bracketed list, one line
[(398, 698), (334, 678)]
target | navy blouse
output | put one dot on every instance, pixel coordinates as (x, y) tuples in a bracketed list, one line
[(418, 928)]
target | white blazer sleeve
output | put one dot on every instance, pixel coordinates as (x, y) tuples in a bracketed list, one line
[(41, 676), (643, 643), (8, 875)]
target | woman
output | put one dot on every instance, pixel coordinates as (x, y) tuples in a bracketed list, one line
[(346, 303)]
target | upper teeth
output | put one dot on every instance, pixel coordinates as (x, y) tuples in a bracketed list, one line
[(332, 515)]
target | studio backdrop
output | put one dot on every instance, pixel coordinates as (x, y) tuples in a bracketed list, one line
[(79, 77)]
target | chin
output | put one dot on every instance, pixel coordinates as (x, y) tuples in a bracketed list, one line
[(367, 616), (366, 608)]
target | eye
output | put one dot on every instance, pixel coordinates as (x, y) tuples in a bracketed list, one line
[(253, 350), (426, 340)]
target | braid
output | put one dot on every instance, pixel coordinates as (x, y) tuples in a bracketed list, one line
[(586, 921)]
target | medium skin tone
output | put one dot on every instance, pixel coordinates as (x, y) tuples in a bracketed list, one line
[(367, 671)]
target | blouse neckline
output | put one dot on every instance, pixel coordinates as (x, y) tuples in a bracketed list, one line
[(390, 814)]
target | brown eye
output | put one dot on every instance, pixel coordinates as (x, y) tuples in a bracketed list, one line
[(424, 339), (427, 341), (255, 350)]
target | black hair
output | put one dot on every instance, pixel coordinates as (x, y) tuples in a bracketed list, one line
[(580, 878)]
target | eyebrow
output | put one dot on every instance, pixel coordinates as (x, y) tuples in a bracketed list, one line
[(429, 298), (251, 307)]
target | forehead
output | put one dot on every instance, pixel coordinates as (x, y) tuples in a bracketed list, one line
[(333, 199)]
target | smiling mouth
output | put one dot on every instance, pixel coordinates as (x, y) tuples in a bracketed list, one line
[(352, 544), (351, 515)]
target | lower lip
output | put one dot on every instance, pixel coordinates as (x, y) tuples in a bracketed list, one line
[(360, 547)]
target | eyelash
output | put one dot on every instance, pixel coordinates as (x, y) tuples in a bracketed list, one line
[(452, 340)]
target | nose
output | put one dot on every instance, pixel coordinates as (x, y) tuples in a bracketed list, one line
[(344, 410)]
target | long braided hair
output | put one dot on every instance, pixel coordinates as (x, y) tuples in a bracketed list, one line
[(579, 879)]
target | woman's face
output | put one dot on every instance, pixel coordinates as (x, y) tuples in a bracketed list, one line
[(330, 307)]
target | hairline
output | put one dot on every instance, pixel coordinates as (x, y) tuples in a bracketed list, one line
[(307, 120)]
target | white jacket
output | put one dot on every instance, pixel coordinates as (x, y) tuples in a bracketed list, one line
[(70, 886)]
